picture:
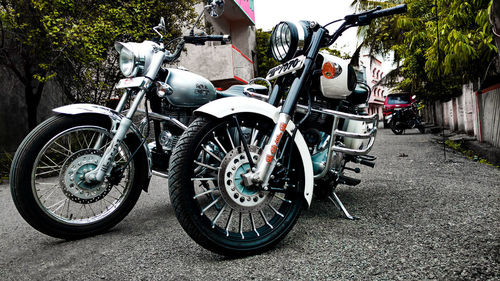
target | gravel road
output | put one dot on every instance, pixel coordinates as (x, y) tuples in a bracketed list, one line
[(422, 218)]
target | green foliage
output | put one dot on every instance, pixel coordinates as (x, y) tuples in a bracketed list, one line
[(337, 53), (430, 71), (265, 60), (5, 162), (71, 41), (457, 146)]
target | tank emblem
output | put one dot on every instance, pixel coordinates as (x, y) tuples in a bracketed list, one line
[(201, 89)]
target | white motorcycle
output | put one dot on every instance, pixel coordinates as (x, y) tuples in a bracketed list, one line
[(242, 171), (80, 172)]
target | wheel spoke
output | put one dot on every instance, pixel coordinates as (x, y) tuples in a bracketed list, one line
[(203, 179), (282, 199), (230, 138), (265, 219), (253, 224), (51, 192), (58, 204), (228, 223), (205, 165), (276, 211), (220, 145), (66, 149), (210, 205), (205, 192), (211, 153), (214, 221), (241, 226), (253, 139)]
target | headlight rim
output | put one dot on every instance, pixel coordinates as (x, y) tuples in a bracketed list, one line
[(133, 61), (299, 39)]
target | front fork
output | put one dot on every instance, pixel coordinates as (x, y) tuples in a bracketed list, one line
[(106, 163)]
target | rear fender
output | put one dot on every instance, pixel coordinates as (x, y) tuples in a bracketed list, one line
[(224, 107), (133, 138)]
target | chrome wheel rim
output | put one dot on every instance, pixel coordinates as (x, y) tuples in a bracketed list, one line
[(59, 168), (218, 194)]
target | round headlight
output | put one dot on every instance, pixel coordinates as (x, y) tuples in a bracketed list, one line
[(127, 62), (287, 39)]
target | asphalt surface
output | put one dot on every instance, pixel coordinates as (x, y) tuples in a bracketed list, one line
[(422, 218)]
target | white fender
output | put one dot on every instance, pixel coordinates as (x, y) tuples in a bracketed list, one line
[(223, 107)]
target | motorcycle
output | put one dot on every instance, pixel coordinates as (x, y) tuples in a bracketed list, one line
[(81, 172), (244, 168), (405, 118)]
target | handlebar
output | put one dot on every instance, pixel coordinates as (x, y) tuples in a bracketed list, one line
[(197, 40), (366, 17), (200, 40)]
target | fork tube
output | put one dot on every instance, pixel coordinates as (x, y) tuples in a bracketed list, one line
[(107, 161), (122, 102), (298, 83), (269, 151)]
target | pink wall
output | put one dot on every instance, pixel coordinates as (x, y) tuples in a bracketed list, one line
[(248, 7)]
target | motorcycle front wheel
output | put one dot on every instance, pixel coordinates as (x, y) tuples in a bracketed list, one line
[(211, 202), (396, 127), (47, 178)]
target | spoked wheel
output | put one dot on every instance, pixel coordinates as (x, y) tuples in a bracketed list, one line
[(397, 128), (211, 202), (48, 178)]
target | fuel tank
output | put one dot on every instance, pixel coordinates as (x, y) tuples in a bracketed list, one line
[(189, 89)]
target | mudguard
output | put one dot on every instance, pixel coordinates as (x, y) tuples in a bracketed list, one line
[(143, 155), (223, 107)]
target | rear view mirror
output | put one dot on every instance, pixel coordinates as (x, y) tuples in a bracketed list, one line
[(216, 8)]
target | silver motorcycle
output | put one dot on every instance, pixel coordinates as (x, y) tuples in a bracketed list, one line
[(243, 170), (80, 172)]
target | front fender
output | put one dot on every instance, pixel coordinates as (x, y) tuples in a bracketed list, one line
[(223, 107), (133, 137)]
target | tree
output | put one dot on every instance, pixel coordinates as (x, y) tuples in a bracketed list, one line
[(71, 42), (265, 60), (430, 70)]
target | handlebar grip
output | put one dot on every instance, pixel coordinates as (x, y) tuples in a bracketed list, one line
[(222, 38), (200, 40), (390, 11)]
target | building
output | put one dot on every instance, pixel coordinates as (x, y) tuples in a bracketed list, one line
[(232, 63), (372, 67)]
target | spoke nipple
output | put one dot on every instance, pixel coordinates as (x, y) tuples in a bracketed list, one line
[(265, 188), (233, 189), (254, 169), (272, 177), (248, 198)]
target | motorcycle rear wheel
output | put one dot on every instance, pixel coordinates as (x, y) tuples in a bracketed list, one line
[(396, 129), (211, 204), (47, 175)]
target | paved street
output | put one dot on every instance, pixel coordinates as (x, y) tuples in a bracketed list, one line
[(423, 217)]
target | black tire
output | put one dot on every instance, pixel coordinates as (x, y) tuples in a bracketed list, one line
[(396, 129), (28, 182), (222, 237)]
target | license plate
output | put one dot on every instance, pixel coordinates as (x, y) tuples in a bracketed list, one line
[(130, 82), (287, 67)]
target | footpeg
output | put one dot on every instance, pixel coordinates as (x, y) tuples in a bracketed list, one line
[(343, 179), (336, 201)]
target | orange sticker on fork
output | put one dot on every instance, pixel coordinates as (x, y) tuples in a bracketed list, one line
[(274, 147)]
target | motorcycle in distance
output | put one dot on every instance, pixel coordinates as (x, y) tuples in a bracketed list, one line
[(405, 118), (243, 170), (80, 172)]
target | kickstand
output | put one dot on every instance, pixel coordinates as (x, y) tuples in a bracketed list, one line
[(336, 201)]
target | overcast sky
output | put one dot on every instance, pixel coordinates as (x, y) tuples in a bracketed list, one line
[(270, 12)]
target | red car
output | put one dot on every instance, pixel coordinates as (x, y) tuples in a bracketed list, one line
[(395, 101)]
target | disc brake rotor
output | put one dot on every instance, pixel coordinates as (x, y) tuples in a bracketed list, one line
[(72, 177), (237, 195)]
